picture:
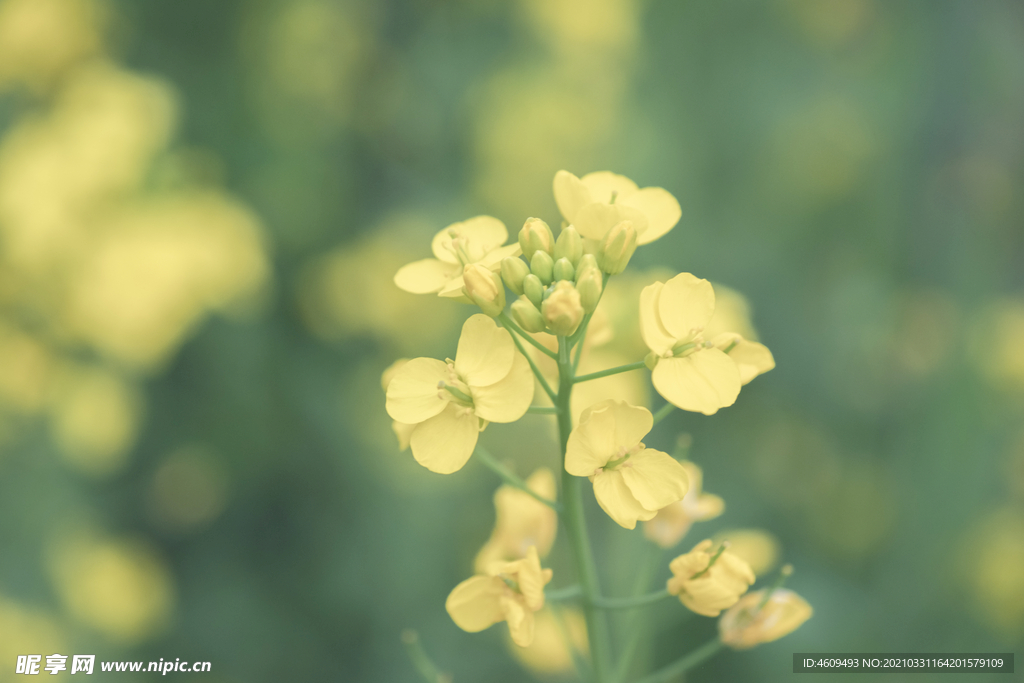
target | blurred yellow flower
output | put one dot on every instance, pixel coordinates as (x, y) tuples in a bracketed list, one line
[(477, 240), (39, 39), (549, 653), (118, 587), (451, 402), (511, 592), (690, 372), (673, 521), (631, 482), (521, 522), (707, 582), (601, 200), (25, 629), (745, 625)]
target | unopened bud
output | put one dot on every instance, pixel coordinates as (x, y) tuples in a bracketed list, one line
[(533, 288), (563, 270), (617, 248), (527, 316), (587, 262), (569, 245), (513, 270), (589, 287), (484, 288), (542, 266), (536, 236), (562, 310)]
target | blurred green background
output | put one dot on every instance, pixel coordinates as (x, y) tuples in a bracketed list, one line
[(202, 205)]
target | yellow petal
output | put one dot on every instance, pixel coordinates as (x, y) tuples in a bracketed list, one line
[(507, 399), (493, 258), (532, 579), (520, 622), (425, 277), (618, 501), (603, 184), (686, 305), (655, 479), (571, 194), (483, 233), (485, 351), (752, 358), (604, 429), (413, 394), (659, 206), (444, 443), (595, 220), (475, 604), (702, 382), (653, 332), (453, 290)]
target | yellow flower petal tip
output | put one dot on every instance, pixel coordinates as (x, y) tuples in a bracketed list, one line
[(445, 404), (631, 482), (672, 522), (708, 580), (748, 623), (598, 201), (510, 592)]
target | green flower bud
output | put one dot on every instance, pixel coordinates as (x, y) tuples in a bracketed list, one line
[(513, 270), (617, 248), (562, 310), (533, 288), (536, 236), (484, 288), (589, 287), (563, 270), (569, 246), (587, 262), (526, 315), (542, 266)]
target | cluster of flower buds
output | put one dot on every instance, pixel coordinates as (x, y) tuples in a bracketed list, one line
[(560, 285)]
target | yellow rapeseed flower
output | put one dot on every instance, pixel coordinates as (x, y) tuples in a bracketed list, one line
[(521, 522), (745, 625), (477, 240), (631, 482), (673, 522), (510, 591), (450, 402), (693, 373), (599, 201), (708, 582)]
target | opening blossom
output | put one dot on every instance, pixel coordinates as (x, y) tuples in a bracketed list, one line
[(599, 201), (511, 592), (689, 371), (745, 626), (673, 521), (476, 240), (709, 582), (451, 402), (631, 482)]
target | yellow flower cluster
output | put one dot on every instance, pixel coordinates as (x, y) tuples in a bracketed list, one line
[(698, 361)]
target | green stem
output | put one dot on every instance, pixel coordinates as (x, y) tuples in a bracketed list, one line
[(637, 626), (684, 663), (610, 371), (542, 410), (576, 527), (663, 412), (629, 603), (533, 366), (560, 594), (510, 324), (421, 660), (512, 480)]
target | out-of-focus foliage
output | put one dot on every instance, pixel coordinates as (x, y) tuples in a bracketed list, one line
[(202, 206)]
